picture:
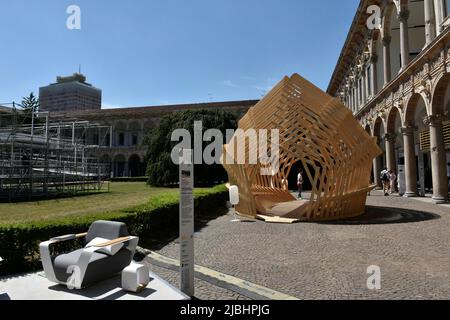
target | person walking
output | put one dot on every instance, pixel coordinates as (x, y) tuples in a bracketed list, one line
[(392, 179), (300, 183), (384, 177)]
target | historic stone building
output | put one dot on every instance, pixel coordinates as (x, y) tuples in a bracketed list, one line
[(396, 80), (124, 149)]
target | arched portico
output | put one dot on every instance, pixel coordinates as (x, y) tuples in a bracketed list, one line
[(136, 167), (417, 159), (120, 166), (378, 162), (439, 110)]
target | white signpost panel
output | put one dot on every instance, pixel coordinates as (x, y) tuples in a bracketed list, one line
[(187, 223)]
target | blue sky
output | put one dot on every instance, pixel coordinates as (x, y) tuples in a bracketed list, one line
[(154, 52)]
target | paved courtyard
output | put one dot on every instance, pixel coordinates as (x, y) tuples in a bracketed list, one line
[(407, 238)]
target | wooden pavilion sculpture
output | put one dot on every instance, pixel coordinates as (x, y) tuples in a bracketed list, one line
[(316, 130)]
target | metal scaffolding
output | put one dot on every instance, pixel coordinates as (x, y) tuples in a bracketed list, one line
[(46, 159)]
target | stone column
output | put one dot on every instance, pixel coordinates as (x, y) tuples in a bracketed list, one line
[(353, 99), (364, 87), (377, 171), (440, 14), (373, 74), (438, 159), (390, 139), (430, 28), (127, 169), (387, 59), (350, 98), (404, 36), (367, 92), (410, 161)]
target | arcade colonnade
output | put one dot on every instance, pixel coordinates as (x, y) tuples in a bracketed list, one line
[(396, 80), (124, 150)]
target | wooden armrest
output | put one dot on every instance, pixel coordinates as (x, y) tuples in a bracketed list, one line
[(81, 235), (68, 237), (112, 242)]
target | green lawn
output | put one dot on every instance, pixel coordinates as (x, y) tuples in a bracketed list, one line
[(122, 195)]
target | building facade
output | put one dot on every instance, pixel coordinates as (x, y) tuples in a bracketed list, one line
[(396, 80), (123, 149), (70, 94)]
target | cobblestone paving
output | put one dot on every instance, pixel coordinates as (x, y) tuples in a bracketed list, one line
[(329, 261)]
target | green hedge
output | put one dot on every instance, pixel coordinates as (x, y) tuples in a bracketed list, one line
[(129, 179), (19, 243)]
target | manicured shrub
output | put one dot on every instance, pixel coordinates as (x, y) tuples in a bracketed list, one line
[(129, 179), (19, 243), (161, 170)]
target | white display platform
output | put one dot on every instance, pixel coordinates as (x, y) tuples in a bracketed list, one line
[(34, 286)]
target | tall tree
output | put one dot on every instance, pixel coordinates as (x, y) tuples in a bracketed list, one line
[(29, 104), (161, 170)]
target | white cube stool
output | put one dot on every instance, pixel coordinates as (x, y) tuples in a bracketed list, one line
[(135, 277)]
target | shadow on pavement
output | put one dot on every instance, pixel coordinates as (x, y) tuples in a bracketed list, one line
[(109, 289), (384, 215)]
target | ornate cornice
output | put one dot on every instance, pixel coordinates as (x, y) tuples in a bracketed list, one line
[(381, 114), (390, 137), (424, 88), (399, 104), (433, 120)]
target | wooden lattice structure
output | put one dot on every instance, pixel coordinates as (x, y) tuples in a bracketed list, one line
[(316, 130)]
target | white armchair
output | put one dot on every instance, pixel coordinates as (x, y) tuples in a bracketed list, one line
[(83, 267)]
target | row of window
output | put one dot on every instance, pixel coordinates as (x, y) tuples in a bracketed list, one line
[(94, 139), (121, 139)]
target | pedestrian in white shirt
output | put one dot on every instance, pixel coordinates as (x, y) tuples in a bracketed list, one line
[(392, 179), (300, 183)]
